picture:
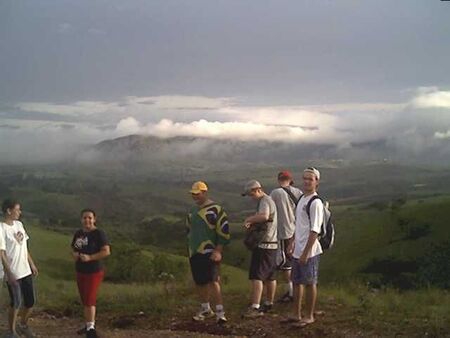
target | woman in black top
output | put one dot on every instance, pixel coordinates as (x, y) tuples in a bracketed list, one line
[(89, 246)]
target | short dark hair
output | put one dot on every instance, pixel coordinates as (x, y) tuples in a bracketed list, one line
[(88, 210), (9, 203)]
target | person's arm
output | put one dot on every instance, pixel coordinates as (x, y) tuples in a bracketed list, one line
[(105, 251), (33, 267), (316, 219), (261, 216), (257, 218), (75, 255), (307, 250), (9, 274)]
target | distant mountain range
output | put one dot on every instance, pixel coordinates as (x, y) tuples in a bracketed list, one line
[(139, 149)]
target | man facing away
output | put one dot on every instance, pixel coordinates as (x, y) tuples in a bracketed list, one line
[(208, 233), (286, 197), (263, 260), (306, 249)]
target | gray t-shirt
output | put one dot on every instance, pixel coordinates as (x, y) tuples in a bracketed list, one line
[(267, 206), (285, 210)]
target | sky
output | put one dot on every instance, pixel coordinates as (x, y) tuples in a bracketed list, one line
[(328, 72)]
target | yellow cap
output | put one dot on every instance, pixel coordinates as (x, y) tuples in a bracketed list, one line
[(198, 187)]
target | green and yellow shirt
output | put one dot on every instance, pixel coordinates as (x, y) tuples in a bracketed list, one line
[(207, 228)]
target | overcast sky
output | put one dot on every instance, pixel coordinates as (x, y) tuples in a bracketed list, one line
[(300, 71)]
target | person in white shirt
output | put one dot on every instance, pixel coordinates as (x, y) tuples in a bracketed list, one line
[(306, 248), (19, 269), (286, 197)]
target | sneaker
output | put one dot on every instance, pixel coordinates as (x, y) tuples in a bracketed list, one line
[(24, 330), (221, 319), (92, 333), (252, 313), (203, 314), (266, 308), (286, 298)]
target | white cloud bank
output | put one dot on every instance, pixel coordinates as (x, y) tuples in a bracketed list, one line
[(432, 97), (416, 125)]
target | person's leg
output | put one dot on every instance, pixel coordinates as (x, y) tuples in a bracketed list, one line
[(27, 288), (256, 293), (93, 285), (89, 314), (287, 278), (310, 302), (216, 293), (15, 295), (271, 287), (203, 294), (310, 278), (297, 305)]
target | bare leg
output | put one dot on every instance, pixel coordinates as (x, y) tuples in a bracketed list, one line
[(310, 297), (203, 293), (13, 319), (25, 314), (287, 277), (257, 289), (271, 287), (215, 292), (297, 306), (89, 313)]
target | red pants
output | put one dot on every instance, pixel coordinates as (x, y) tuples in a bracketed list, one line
[(88, 284)]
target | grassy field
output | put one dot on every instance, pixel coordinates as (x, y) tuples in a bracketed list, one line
[(351, 307), (371, 282)]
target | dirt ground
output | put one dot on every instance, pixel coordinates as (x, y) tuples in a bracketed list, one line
[(269, 326)]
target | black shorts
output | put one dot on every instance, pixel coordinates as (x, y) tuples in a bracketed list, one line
[(286, 258), (204, 270), (263, 264), (22, 290)]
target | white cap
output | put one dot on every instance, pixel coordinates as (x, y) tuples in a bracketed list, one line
[(314, 171)]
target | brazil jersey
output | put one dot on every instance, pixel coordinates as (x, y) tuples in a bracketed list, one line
[(207, 227)]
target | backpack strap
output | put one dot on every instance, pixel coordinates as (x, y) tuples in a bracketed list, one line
[(291, 195), (308, 207)]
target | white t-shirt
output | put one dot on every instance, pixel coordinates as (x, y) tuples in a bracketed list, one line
[(15, 245), (303, 226), (285, 210)]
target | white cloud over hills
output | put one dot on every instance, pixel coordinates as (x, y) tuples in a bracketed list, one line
[(47, 131)]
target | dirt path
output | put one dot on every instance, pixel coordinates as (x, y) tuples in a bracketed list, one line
[(46, 325)]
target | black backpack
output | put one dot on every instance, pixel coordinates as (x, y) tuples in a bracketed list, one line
[(327, 229)]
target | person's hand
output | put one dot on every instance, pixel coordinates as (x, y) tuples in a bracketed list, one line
[(85, 258), (216, 256), (247, 225), (290, 248), (303, 259), (11, 278), (75, 256), (34, 270)]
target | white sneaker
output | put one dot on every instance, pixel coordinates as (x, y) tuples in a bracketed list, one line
[(220, 317), (203, 314)]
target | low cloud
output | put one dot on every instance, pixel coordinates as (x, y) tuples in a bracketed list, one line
[(244, 131), (432, 97), (418, 125), (442, 136)]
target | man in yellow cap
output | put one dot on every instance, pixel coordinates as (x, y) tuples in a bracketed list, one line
[(208, 233)]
